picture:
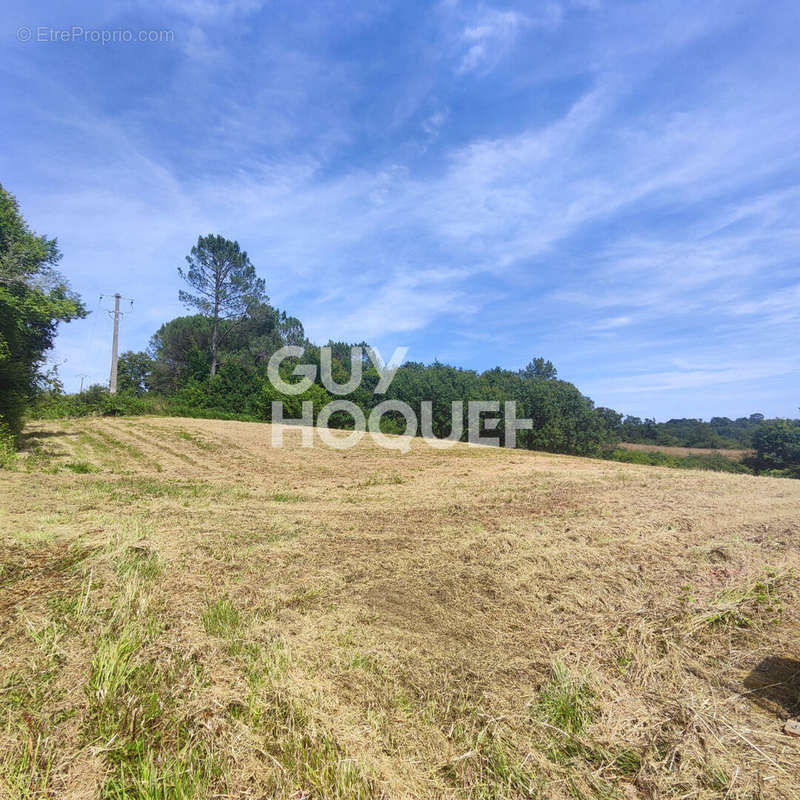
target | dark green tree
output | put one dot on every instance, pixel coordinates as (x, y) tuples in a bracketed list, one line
[(133, 372), (34, 298), (539, 368), (224, 283), (777, 447), (180, 350), (612, 420)]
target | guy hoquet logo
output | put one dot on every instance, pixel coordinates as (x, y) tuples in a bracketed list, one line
[(372, 424)]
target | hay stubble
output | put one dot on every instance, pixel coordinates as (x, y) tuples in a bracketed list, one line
[(396, 625)]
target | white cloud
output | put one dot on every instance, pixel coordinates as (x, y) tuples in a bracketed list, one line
[(208, 10), (492, 33), (368, 241), (433, 124), (593, 201), (611, 323), (682, 380)]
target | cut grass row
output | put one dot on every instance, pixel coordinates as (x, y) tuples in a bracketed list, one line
[(133, 713), (466, 631)]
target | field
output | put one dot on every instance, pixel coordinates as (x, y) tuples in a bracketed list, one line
[(736, 455), (188, 612)]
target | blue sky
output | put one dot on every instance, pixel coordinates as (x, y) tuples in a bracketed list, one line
[(612, 185)]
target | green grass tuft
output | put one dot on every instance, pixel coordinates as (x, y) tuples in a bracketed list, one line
[(141, 561), (284, 497), (182, 777), (221, 618), (566, 701), (81, 467)]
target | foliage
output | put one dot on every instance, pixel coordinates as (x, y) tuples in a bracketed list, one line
[(317, 395), (713, 461), (563, 419), (181, 349), (95, 400), (176, 370), (34, 298), (214, 364), (717, 433), (539, 368), (7, 449), (133, 372), (224, 284), (777, 447)]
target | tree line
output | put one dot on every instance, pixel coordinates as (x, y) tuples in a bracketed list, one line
[(34, 298), (213, 363), (174, 377), (719, 433)]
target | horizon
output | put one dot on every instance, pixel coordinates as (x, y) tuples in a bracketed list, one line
[(610, 186)]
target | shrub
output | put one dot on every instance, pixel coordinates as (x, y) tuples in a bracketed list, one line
[(712, 461), (292, 404), (95, 400), (777, 446), (8, 450)]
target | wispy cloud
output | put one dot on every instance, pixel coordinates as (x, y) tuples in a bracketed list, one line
[(609, 210), (692, 379), (492, 33), (205, 10)]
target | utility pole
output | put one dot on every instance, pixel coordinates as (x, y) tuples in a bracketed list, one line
[(112, 384)]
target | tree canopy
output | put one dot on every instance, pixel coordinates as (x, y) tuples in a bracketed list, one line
[(215, 363), (224, 284), (34, 298)]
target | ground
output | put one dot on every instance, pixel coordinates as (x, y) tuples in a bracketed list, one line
[(736, 455), (189, 612)]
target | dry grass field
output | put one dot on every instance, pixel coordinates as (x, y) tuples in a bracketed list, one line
[(736, 455), (188, 613)]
